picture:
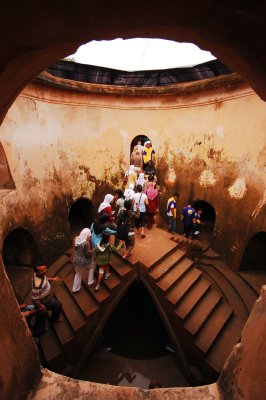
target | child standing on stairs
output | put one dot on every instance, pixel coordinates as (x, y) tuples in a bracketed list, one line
[(103, 252)]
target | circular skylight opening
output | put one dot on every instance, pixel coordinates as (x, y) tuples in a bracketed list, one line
[(140, 54)]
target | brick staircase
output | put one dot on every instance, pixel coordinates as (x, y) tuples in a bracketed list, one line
[(201, 309), (64, 342), (205, 302)]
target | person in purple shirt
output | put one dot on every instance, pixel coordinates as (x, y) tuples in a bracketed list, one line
[(187, 216)]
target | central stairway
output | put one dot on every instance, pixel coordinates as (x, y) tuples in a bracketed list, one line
[(205, 303)]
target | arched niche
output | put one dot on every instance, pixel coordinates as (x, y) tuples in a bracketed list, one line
[(81, 215), (6, 180), (254, 257), (140, 139), (20, 249), (20, 254), (208, 217)]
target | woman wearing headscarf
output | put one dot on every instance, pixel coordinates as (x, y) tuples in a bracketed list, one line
[(142, 181), (100, 227), (82, 258), (106, 208), (153, 205), (129, 193), (131, 176)]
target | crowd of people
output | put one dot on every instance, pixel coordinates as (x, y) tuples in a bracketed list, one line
[(127, 212)]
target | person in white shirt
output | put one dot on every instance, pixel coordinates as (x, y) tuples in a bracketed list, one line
[(141, 199), (41, 293)]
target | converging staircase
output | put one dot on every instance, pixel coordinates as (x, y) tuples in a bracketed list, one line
[(206, 303), (209, 310), (64, 342)]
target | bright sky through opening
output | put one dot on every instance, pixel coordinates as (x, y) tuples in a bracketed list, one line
[(141, 54)]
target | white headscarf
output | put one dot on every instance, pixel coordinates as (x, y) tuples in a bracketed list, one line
[(106, 203), (141, 180), (83, 236), (129, 192), (148, 141), (131, 170)]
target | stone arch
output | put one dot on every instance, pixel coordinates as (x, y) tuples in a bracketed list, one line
[(57, 32), (20, 254), (141, 137), (81, 214), (254, 257), (6, 180), (208, 216), (20, 249)]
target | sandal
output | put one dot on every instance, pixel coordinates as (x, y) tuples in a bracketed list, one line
[(107, 275), (97, 288)]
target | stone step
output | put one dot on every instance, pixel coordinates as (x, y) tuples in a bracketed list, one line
[(183, 285), (213, 326), (166, 264), (120, 265), (248, 295), (54, 269), (169, 279), (228, 290), (101, 295), (163, 258), (50, 344), (71, 310), (113, 281), (202, 311), (211, 254), (63, 330), (83, 298), (192, 297), (224, 344)]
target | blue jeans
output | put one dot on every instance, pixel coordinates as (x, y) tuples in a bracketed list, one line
[(171, 224)]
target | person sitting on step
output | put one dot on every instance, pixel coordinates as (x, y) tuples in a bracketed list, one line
[(41, 294)]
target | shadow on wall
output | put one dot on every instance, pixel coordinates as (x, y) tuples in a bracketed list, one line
[(6, 180), (81, 215), (255, 253)]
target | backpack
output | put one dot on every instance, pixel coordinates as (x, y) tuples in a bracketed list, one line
[(122, 227)]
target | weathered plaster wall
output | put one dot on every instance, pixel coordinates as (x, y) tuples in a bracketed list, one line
[(20, 368), (63, 144)]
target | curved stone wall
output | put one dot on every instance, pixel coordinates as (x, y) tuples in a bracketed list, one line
[(65, 139)]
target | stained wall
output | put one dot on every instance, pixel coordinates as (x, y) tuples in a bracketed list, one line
[(63, 143)]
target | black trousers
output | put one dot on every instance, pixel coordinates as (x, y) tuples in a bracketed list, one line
[(54, 305), (188, 230)]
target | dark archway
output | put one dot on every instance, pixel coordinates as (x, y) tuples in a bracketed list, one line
[(81, 215), (20, 249), (254, 257), (20, 253), (140, 139), (208, 217)]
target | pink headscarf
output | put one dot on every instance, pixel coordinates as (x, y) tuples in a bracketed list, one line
[(151, 192)]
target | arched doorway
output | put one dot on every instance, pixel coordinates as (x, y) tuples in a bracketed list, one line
[(140, 139), (208, 218), (20, 253), (81, 215), (20, 249), (254, 257)]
